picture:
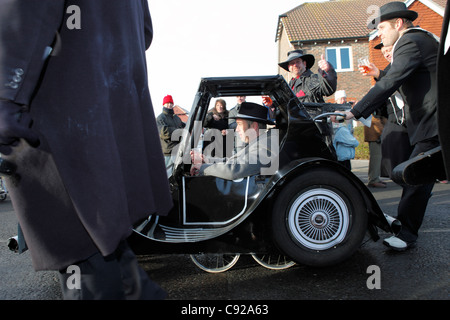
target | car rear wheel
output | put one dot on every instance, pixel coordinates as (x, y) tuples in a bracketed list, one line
[(319, 218), (214, 262), (273, 261)]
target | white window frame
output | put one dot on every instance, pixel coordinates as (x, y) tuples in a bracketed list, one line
[(338, 58)]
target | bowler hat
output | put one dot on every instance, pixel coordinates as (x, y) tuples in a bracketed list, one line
[(295, 54), (392, 10), (253, 112)]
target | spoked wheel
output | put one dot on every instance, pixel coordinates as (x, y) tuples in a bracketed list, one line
[(274, 262), (215, 262), (320, 218)]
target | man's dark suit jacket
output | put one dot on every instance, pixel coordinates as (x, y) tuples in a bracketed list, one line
[(444, 92), (413, 74)]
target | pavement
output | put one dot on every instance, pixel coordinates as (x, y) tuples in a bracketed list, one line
[(361, 167), (420, 273), (18, 280)]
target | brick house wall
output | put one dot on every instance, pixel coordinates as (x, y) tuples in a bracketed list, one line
[(427, 19), (284, 46)]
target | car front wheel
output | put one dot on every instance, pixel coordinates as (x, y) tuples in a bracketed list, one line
[(319, 218)]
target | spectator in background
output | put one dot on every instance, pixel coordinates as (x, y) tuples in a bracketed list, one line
[(271, 108), (217, 118), (234, 111), (238, 145), (343, 140), (340, 97), (167, 123), (308, 86), (372, 136)]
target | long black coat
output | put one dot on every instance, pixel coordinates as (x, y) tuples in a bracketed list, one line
[(413, 73), (443, 92), (99, 167)]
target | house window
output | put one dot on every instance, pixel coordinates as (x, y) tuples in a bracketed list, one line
[(340, 58)]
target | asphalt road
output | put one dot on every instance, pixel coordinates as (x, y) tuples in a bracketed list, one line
[(421, 273)]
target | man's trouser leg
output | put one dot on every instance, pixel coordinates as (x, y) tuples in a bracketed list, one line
[(115, 277), (414, 200)]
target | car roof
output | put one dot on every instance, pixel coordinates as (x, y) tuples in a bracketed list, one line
[(243, 86)]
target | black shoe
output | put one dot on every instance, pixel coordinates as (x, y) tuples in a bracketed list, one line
[(377, 185)]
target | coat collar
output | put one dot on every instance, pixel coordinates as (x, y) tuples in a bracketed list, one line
[(168, 111), (413, 29)]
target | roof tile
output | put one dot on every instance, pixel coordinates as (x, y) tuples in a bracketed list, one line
[(328, 20)]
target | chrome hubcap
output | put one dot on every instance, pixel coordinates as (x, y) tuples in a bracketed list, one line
[(319, 219)]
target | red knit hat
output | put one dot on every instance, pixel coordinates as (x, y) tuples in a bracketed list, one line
[(167, 99)]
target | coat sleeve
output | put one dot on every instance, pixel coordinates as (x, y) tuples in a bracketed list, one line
[(208, 120), (330, 82), (148, 25), (247, 162), (407, 58), (27, 32), (163, 128), (443, 92), (236, 167), (167, 125), (316, 85)]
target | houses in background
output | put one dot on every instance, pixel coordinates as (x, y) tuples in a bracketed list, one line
[(182, 113), (338, 30)]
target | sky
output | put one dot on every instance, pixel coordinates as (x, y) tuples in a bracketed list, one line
[(193, 39)]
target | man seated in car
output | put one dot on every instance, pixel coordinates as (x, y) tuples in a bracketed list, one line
[(260, 155)]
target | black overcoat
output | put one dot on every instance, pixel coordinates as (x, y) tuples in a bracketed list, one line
[(413, 74), (443, 91), (99, 167)]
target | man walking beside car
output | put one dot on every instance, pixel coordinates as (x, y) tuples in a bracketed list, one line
[(413, 74)]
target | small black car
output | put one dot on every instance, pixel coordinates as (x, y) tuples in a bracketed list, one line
[(311, 211)]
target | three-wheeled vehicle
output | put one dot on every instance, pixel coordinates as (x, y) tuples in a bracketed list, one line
[(311, 210)]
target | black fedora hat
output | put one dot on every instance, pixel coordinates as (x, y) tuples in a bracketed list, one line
[(253, 112), (295, 54), (392, 10), (379, 46)]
